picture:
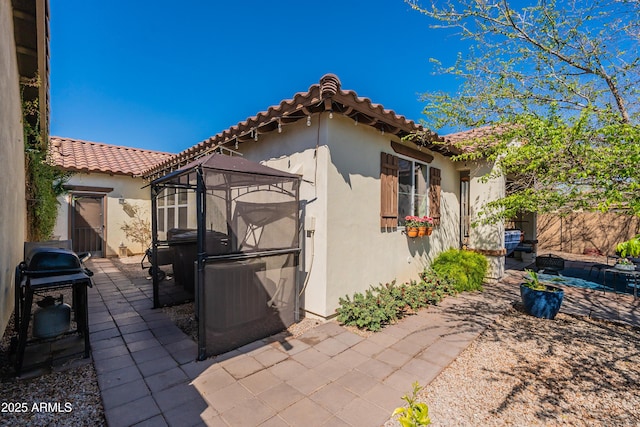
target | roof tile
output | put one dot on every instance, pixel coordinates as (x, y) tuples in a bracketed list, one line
[(86, 156), (326, 95)]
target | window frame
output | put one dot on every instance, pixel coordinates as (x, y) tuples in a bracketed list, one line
[(412, 196), (164, 206)]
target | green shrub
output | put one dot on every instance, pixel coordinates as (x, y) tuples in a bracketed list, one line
[(629, 248), (385, 304), (429, 291), (378, 306), (466, 269)]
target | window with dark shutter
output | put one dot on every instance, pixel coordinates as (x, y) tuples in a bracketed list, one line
[(388, 191), (434, 195)]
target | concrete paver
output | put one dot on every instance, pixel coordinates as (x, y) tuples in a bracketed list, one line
[(148, 375), (281, 396), (125, 393), (364, 413), (132, 412), (334, 397), (305, 412), (165, 379)]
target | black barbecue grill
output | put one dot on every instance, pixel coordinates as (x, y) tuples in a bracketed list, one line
[(46, 269)]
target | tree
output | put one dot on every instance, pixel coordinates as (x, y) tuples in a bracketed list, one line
[(138, 230), (559, 78)]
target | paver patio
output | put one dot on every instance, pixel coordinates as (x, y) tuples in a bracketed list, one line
[(148, 375)]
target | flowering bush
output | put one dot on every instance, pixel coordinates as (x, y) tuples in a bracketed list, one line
[(418, 221)]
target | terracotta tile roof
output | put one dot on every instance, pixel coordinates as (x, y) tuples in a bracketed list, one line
[(85, 156), (326, 95), (473, 139), (471, 134)]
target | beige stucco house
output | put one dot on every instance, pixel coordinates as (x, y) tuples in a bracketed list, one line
[(105, 192), (360, 177), (24, 54)]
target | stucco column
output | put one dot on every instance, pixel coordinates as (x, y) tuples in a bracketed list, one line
[(487, 239)]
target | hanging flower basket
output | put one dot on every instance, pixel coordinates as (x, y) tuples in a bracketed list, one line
[(412, 231), (423, 225)]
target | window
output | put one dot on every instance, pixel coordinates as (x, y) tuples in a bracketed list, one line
[(408, 187), (412, 189), (172, 209)]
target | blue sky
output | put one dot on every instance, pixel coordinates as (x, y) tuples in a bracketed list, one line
[(165, 75)]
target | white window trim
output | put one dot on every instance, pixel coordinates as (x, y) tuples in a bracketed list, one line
[(413, 186), (176, 205)]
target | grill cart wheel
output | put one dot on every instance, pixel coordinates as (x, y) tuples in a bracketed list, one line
[(159, 274)]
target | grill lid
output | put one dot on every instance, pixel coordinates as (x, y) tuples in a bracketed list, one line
[(42, 260)]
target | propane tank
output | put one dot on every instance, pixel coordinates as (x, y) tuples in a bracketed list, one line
[(53, 318)]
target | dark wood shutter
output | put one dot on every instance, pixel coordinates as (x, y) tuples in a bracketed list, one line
[(434, 195), (388, 191)]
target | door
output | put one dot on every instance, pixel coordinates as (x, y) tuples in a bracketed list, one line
[(87, 224), (465, 209)]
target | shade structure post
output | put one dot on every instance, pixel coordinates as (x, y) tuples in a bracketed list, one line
[(202, 255), (154, 242)]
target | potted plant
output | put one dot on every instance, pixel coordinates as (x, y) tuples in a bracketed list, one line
[(418, 225), (625, 264), (425, 226), (539, 298), (629, 248), (411, 224)]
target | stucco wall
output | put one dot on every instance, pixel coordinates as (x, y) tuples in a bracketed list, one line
[(12, 205), (360, 253), (348, 252), (340, 165), (486, 236), (301, 149), (116, 216)]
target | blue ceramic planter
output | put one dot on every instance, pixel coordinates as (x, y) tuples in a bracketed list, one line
[(543, 304)]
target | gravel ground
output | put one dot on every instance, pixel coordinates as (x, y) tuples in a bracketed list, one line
[(524, 371), (69, 396)]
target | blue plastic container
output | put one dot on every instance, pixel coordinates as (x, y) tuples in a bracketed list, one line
[(511, 240)]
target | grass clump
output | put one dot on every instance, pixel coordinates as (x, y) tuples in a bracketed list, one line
[(465, 269)]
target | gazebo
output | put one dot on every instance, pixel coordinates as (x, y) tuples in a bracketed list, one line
[(241, 258)]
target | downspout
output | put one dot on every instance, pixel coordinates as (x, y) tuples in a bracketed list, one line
[(313, 230)]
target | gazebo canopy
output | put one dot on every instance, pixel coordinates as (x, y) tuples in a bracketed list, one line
[(237, 171)]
